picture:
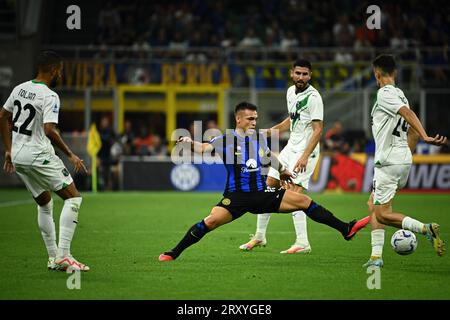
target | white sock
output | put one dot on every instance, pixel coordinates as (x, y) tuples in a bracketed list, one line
[(67, 224), (261, 225), (299, 218), (412, 225), (47, 227), (377, 236)]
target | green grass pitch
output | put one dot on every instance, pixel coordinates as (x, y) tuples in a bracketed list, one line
[(120, 236)]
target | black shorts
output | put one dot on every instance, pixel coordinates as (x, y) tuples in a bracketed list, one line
[(238, 203)]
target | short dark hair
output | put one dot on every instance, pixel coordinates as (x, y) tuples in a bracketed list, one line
[(302, 63), (47, 60), (245, 106), (386, 63)]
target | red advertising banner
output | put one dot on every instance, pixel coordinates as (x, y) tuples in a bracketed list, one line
[(354, 173)]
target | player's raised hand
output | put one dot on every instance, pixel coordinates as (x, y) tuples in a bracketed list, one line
[(8, 165), (301, 164), (438, 140), (78, 163), (185, 140)]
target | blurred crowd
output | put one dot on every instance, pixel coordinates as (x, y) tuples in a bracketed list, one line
[(272, 24), (138, 139)]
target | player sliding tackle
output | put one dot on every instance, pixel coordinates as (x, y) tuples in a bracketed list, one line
[(242, 151)]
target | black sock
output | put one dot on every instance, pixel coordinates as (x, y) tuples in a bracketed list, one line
[(194, 234), (319, 214)]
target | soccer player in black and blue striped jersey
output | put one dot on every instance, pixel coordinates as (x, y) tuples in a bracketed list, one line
[(243, 152)]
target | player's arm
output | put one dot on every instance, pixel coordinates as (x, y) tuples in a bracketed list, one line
[(55, 138), (283, 126), (415, 124), (196, 146), (285, 174), (413, 139), (317, 127), (6, 138)]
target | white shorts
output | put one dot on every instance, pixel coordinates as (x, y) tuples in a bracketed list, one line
[(290, 158), (46, 173), (388, 180)]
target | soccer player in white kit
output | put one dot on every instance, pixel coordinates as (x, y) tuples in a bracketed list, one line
[(396, 130), (301, 154), (34, 109)]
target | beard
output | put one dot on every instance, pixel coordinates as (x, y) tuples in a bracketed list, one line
[(300, 84)]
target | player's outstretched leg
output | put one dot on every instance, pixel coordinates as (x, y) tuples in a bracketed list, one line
[(293, 201), (259, 239), (192, 236), (216, 218)]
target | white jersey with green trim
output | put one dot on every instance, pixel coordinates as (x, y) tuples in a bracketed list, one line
[(303, 108), (32, 104), (389, 129)]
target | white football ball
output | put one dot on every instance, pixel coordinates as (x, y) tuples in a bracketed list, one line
[(404, 242)]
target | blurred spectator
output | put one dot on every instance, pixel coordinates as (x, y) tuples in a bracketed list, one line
[(212, 130), (288, 41), (127, 138), (109, 23), (343, 32), (343, 56), (158, 148), (250, 40), (104, 53), (398, 41), (107, 136), (334, 137), (141, 48), (117, 150), (137, 74), (143, 142)]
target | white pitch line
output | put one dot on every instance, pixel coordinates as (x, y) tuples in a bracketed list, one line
[(15, 203)]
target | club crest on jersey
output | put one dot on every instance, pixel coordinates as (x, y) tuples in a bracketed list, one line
[(261, 152), (55, 108), (294, 118)]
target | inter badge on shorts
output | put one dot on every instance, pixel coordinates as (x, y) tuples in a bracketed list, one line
[(226, 202)]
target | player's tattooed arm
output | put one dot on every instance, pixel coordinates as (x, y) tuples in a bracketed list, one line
[(55, 138)]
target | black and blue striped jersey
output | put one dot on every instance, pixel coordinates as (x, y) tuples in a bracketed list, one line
[(242, 159)]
